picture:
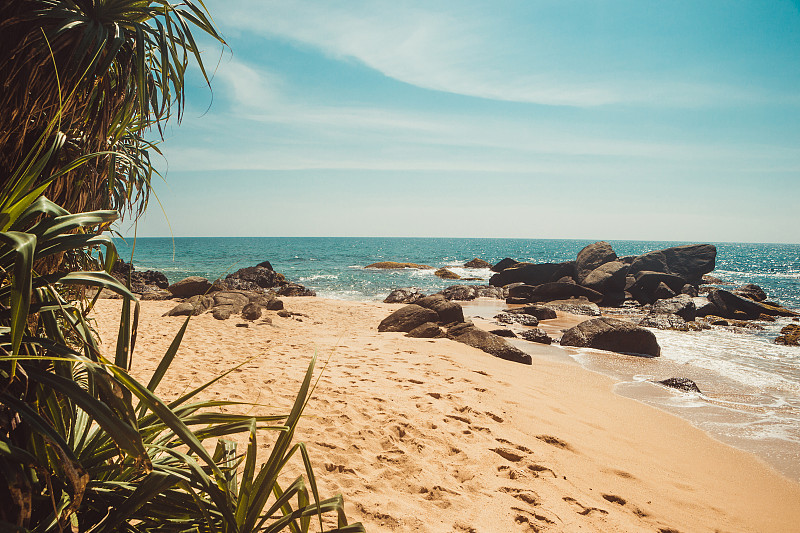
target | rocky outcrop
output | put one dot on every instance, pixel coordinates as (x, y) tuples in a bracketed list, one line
[(390, 265), (790, 335), (503, 332), (671, 322), (263, 277), (733, 306), (575, 307), (428, 330), (541, 312), (504, 264), (518, 318), (142, 282), (224, 304), (407, 295), (446, 274), (407, 318), (689, 262), (647, 286), (532, 273), (295, 289), (483, 340), (608, 279), (592, 257), (684, 384), (447, 312), (470, 292), (612, 335), (751, 291), (477, 263), (188, 287), (536, 335), (681, 305), (546, 292)]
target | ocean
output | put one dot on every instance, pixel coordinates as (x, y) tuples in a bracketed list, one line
[(750, 386)]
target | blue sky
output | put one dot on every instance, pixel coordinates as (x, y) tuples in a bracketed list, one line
[(533, 119)]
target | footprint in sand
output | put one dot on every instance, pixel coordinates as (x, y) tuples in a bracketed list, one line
[(555, 441), (582, 509)]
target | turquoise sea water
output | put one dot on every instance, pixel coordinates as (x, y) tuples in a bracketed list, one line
[(751, 386), (334, 266)]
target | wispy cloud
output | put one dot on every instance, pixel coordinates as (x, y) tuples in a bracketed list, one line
[(463, 48)]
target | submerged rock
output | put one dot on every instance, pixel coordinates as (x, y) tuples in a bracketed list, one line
[(477, 263), (389, 265), (790, 335), (684, 384), (446, 274)]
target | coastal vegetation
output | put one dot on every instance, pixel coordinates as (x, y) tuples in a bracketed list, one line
[(83, 445)]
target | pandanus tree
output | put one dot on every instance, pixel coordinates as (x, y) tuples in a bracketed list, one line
[(85, 447), (107, 72)]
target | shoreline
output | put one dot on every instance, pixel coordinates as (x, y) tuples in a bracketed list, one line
[(465, 439), (634, 377)]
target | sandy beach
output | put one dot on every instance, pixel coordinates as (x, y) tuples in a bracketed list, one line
[(432, 435)]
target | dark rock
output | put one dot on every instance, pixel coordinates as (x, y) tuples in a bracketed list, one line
[(295, 289), (536, 335), (645, 284), (235, 284), (392, 265), (710, 280), (262, 276), (663, 292), (487, 291), (407, 318), (530, 273), (235, 299), (519, 318), (504, 264), (672, 322), (566, 279), (628, 259), (447, 311), (191, 286), (460, 292), (182, 309), (607, 278), (591, 257), (575, 307), (265, 264), (251, 311), (790, 335), (283, 313), (684, 384), (477, 263), (613, 335), (716, 320), (514, 300), (542, 312), (489, 343), (689, 290), (201, 303), (766, 318), (275, 304), (751, 291), (704, 306), (502, 332), (554, 291), (446, 274), (222, 312), (428, 330), (730, 304), (407, 295), (681, 305), (689, 262)]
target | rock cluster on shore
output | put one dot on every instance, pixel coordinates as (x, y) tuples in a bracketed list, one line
[(659, 289), (246, 292)]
